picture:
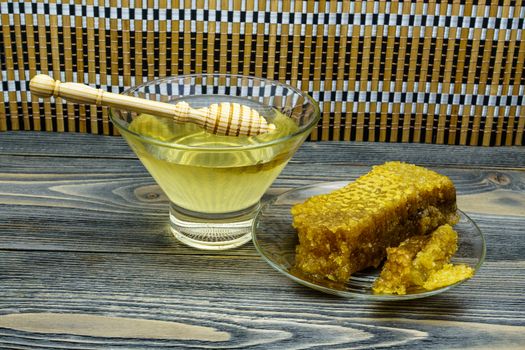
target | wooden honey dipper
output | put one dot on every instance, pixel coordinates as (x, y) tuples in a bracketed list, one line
[(220, 118)]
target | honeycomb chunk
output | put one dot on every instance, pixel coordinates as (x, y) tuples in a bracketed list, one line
[(448, 275), (350, 229), (422, 262), (397, 272)]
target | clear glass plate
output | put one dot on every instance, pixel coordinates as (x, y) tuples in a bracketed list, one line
[(275, 239)]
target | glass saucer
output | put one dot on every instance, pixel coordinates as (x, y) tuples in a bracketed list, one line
[(275, 239)]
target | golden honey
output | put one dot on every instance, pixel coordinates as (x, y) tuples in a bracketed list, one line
[(208, 173)]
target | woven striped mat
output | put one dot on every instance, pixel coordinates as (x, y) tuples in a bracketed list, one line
[(446, 72)]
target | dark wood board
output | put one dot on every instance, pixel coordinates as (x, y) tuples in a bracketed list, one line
[(87, 260)]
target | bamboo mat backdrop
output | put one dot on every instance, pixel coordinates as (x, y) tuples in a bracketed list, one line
[(446, 72)]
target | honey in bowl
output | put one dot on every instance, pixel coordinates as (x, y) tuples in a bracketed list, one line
[(211, 179)]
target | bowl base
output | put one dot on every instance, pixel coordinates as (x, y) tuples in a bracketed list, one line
[(213, 232)]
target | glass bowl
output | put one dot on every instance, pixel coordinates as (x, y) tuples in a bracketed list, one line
[(275, 240), (214, 183)]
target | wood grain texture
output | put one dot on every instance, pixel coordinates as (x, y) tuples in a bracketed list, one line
[(87, 260), (245, 299), (364, 153), (109, 327)]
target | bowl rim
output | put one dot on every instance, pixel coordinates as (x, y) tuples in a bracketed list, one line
[(303, 129)]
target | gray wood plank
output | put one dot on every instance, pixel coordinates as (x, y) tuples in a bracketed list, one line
[(113, 205), (363, 153), (236, 302), (76, 145), (87, 261)]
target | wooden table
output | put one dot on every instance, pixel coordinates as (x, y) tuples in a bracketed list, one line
[(87, 261)]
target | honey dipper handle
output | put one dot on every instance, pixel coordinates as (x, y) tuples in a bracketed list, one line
[(44, 86)]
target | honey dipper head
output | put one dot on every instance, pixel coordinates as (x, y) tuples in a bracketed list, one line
[(42, 85), (235, 119)]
